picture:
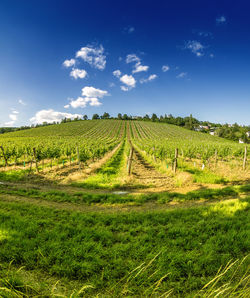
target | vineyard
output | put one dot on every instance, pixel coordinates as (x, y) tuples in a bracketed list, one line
[(114, 208), (72, 151)]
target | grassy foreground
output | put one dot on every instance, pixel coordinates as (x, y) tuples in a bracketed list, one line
[(153, 253)]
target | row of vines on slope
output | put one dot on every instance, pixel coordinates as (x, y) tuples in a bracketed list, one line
[(90, 140), (162, 140), (91, 144)]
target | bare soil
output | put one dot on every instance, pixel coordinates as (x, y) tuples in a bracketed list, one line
[(146, 175)]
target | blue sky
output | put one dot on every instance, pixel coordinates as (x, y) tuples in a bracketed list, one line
[(67, 58)]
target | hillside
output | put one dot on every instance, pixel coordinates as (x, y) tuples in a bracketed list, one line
[(122, 208), (85, 141), (76, 128)]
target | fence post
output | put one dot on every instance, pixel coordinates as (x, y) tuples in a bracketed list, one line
[(130, 160), (245, 158), (78, 157), (175, 159), (34, 152), (154, 154), (31, 164), (25, 160), (216, 157)]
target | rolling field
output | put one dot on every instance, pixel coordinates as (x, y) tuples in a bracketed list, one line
[(110, 208)]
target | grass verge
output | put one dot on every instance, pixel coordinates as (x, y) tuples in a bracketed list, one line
[(102, 250)]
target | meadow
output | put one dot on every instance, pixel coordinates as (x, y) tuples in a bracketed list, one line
[(76, 222)]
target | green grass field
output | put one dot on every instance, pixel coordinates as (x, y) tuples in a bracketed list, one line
[(93, 230)]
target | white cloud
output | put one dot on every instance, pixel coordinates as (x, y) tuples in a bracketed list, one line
[(195, 47), (165, 68), (10, 123), (21, 102), (203, 33), (90, 95), (78, 73), (117, 73), (181, 75), (69, 63), (150, 78), (139, 68), (93, 92), (66, 106), (94, 56), (81, 102), (94, 101), (51, 116), (128, 80), (124, 88), (111, 85), (13, 117), (129, 29), (132, 58), (221, 20)]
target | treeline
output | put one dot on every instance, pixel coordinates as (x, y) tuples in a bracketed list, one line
[(11, 129), (187, 122), (233, 132)]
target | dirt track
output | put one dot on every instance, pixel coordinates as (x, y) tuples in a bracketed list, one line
[(145, 174)]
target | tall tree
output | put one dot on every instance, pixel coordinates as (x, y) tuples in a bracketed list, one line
[(105, 116), (154, 117), (95, 116)]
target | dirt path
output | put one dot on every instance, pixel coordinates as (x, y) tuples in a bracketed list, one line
[(145, 174), (147, 207)]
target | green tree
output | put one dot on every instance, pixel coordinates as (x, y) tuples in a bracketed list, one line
[(154, 117), (95, 116), (105, 116)]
